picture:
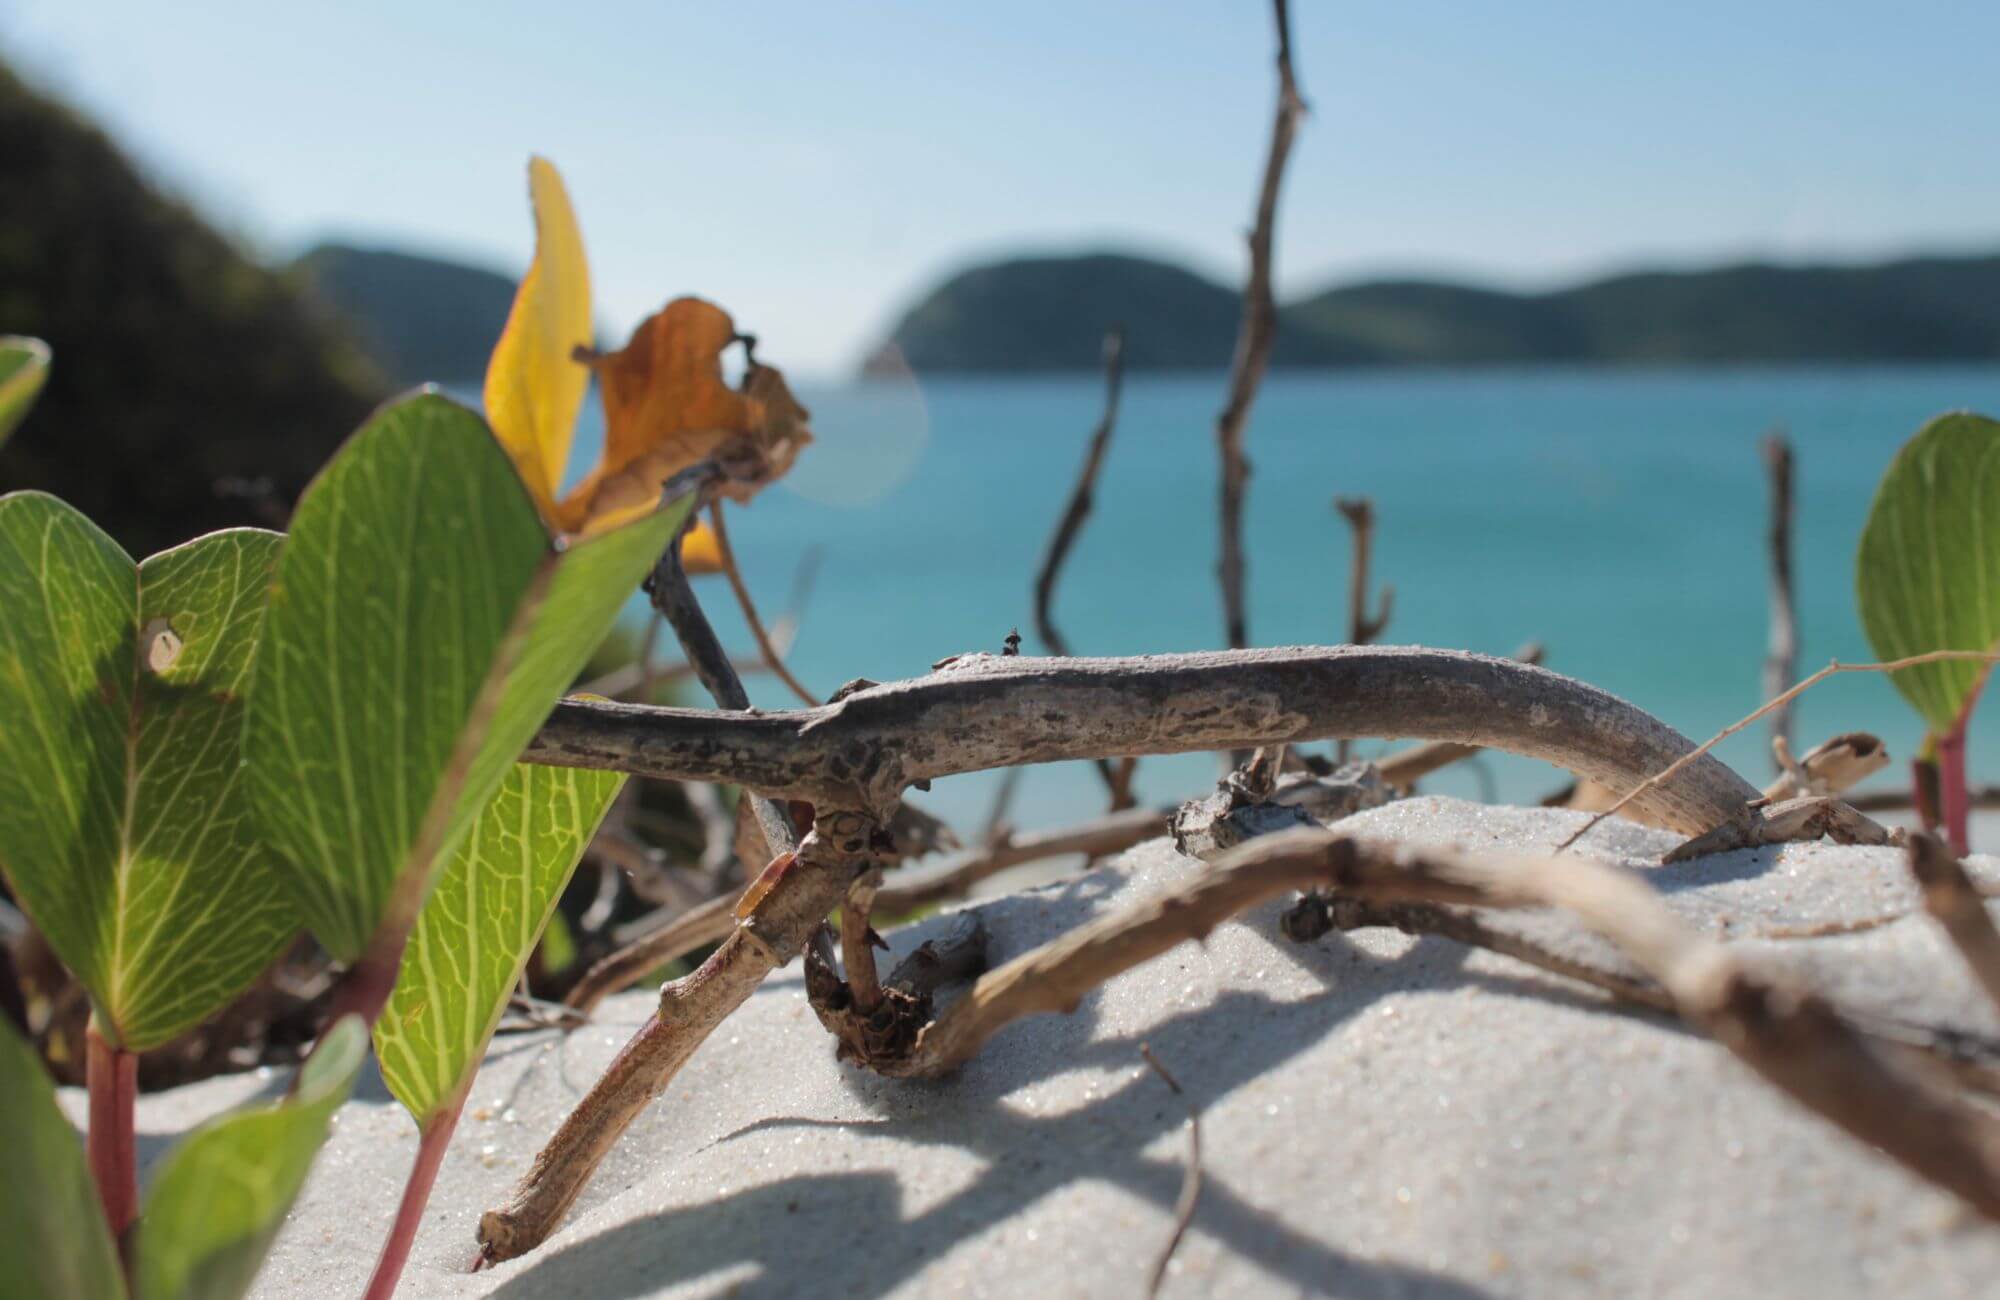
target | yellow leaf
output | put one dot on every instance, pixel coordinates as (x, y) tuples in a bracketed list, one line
[(534, 385)]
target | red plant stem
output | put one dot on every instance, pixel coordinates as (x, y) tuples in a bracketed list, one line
[(1954, 793), (431, 1146), (113, 1078)]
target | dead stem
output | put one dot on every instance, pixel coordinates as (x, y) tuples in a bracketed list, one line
[(1781, 661), (1190, 1180), (772, 659), (1117, 778), (1253, 341)]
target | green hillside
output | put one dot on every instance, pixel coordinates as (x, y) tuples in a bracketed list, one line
[(192, 388), (1047, 314), (421, 318)]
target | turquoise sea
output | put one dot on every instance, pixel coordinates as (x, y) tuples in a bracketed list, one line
[(1617, 516)]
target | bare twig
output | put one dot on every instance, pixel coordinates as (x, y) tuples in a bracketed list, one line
[(1985, 798), (857, 940), (1955, 903), (773, 659), (1781, 662), (1253, 340), (1361, 629), (1190, 1179), (914, 887), (1807, 817), (695, 928), (985, 711), (769, 932), (1785, 697), (1790, 1036), (1117, 778)]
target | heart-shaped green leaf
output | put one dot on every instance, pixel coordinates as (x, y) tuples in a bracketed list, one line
[(24, 365), (52, 1233), (422, 625), (123, 827), (1928, 572), (475, 933), (220, 1196)]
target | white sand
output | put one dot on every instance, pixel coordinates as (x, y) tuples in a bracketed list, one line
[(1381, 1116)]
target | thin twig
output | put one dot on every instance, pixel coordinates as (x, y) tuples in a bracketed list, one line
[(1253, 340), (674, 598), (914, 887), (1783, 698), (697, 927), (1955, 903), (1361, 629), (772, 658), (1190, 1178), (1081, 498), (1781, 662)]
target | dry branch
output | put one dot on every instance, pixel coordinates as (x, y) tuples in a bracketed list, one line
[(986, 711), (1253, 340), (1362, 629), (1781, 662), (1117, 776), (1791, 1037), (768, 934), (1833, 766), (1955, 903)]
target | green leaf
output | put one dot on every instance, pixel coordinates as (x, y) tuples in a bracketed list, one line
[(422, 625), (24, 365), (482, 921), (222, 1194), (52, 1232), (123, 826), (1928, 572)]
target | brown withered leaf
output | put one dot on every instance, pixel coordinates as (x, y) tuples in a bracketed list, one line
[(666, 406)]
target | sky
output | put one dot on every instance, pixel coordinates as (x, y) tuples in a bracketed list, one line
[(816, 166)]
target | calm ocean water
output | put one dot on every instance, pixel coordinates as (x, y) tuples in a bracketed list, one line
[(1617, 516)]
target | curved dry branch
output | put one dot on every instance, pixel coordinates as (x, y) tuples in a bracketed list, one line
[(1788, 1035), (988, 711)]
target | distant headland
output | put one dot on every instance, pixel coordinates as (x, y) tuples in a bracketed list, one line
[(1050, 314)]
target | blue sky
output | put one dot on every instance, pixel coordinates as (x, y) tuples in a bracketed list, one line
[(813, 166)]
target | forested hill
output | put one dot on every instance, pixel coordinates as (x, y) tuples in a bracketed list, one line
[(1049, 314), (421, 318)]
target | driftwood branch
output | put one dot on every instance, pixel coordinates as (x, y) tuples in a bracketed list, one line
[(1117, 775), (1791, 1037), (1404, 768), (1954, 902), (1253, 341), (1781, 661), (986, 711)]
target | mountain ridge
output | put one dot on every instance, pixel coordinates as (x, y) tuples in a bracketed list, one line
[(1029, 314)]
